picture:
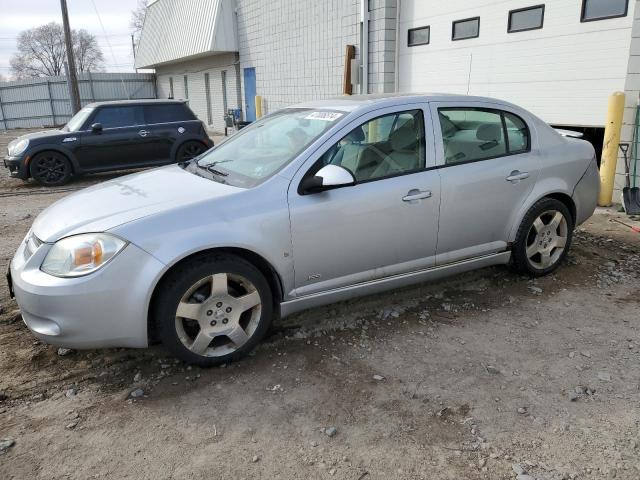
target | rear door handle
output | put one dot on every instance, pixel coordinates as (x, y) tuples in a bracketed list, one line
[(517, 175), (143, 133), (415, 194)]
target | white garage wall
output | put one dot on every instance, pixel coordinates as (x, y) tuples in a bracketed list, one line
[(564, 72), (297, 47), (632, 92), (195, 71)]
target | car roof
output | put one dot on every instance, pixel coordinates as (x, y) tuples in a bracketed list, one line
[(350, 103), (144, 101)]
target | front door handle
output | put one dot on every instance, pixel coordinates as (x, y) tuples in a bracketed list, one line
[(415, 194), (516, 176), (143, 133)]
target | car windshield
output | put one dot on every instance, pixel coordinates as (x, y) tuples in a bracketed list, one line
[(78, 120), (263, 148)]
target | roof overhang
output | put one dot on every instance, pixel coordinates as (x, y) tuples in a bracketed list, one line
[(176, 30)]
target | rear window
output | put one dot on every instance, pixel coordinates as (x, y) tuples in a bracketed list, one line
[(170, 112), (119, 116)]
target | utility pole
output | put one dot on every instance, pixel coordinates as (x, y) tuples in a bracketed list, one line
[(72, 79), (133, 49)]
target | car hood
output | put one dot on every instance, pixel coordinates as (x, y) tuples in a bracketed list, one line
[(121, 200), (42, 134)]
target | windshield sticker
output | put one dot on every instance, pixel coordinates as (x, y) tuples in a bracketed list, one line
[(325, 116)]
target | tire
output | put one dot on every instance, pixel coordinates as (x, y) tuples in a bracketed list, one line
[(206, 290), (188, 150), (50, 169), (543, 238)]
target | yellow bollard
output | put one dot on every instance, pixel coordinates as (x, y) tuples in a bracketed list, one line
[(258, 106), (609, 160)]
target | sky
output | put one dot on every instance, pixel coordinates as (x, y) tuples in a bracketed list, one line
[(114, 39)]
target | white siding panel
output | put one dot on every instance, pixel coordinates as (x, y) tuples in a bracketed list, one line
[(564, 72), (178, 29)]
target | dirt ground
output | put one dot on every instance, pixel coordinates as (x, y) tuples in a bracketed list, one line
[(487, 375)]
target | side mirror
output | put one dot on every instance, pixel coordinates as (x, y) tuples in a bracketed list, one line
[(96, 127), (328, 178)]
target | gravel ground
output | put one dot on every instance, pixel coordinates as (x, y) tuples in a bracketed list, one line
[(487, 375)]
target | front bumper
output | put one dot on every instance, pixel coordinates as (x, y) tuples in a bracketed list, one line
[(17, 166), (107, 308)]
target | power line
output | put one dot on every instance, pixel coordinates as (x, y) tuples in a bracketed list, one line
[(109, 44)]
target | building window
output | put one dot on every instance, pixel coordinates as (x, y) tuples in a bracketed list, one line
[(418, 36), (603, 9), (170, 87), (225, 102), (207, 92), (186, 87), (467, 28), (523, 19)]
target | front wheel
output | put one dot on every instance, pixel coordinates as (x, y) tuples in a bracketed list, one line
[(544, 238), (213, 309), (50, 169)]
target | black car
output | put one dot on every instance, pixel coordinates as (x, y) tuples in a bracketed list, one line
[(107, 136)]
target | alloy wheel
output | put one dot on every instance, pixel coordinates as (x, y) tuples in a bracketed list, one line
[(218, 314), (50, 169), (547, 239)]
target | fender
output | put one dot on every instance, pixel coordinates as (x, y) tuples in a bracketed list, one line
[(544, 187), (56, 147)]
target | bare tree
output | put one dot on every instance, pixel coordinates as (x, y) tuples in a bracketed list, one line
[(137, 18), (41, 52), (88, 55)]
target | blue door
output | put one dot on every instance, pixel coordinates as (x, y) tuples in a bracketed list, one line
[(250, 94)]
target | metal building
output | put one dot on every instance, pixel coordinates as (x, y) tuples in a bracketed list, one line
[(560, 59)]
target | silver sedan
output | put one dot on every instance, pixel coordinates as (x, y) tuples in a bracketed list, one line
[(313, 204)]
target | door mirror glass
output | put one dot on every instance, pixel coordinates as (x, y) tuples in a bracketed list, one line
[(96, 127), (328, 178)]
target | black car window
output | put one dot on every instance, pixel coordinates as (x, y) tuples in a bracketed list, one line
[(124, 116), (170, 112)]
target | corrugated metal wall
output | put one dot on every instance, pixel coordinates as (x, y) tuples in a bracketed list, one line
[(44, 102), (178, 29)]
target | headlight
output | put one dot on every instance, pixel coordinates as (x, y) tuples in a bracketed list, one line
[(81, 254), (17, 147)]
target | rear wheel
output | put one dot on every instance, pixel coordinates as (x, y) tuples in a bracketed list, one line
[(544, 238), (50, 169), (189, 150), (213, 309)]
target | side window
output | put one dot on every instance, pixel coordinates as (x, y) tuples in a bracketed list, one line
[(471, 134), (517, 134), (170, 112), (112, 117), (385, 146)]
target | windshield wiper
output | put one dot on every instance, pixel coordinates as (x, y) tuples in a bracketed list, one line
[(214, 171), (212, 164)]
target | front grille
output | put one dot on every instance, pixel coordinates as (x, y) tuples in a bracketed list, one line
[(32, 243)]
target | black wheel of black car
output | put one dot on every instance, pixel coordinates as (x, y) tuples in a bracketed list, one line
[(189, 150), (544, 238), (213, 309), (50, 169)]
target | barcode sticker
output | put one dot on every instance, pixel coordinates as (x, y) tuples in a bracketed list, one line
[(325, 116)]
